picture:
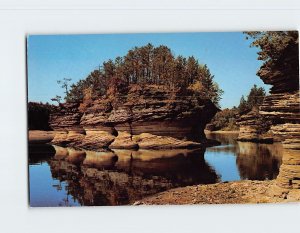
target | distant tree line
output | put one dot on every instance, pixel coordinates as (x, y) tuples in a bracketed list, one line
[(146, 65), (227, 118), (38, 115)]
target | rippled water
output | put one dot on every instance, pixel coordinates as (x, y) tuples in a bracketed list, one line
[(67, 177)]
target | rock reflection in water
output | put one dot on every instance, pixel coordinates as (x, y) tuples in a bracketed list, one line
[(254, 161), (122, 176), (259, 161), (39, 153)]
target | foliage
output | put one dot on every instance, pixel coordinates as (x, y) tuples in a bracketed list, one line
[(38, 115), (64, 84), (225, 119), (254, 99), (147, 65), (280, 52), (57, 99)]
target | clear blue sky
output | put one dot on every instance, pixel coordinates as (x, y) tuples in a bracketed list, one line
[(54, 57)]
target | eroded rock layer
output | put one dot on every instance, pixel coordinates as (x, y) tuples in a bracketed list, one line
[(170, 119), (254, 128), (278, 119)]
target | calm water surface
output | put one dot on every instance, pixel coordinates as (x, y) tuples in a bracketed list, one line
[(67, 177)]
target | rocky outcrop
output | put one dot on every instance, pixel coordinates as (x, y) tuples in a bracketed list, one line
[(67, 117), (147, 117), (124, 140), (279, 118), (98, 140), (254, 128), (281, 122), (149, 141)]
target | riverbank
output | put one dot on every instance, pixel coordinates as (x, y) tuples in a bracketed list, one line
[(240, 192)]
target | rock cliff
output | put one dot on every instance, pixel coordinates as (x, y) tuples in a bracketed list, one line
[(278, 119), (147, 117)]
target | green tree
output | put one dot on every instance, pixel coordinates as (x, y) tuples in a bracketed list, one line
[(65, 82), (192, 69), (243, 106), (256, 96), (147, 65), (57, 99), (254, 99), (225, 120)]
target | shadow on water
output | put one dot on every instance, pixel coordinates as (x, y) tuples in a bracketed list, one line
[(68, 177)]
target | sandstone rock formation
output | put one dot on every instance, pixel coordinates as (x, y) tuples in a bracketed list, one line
[(147, 117), (254, 127), (278, 119)]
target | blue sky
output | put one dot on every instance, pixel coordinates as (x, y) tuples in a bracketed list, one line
[(54, 57)]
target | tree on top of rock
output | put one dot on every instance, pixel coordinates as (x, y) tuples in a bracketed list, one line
[(280, 52), (148, 65), (254, 99)]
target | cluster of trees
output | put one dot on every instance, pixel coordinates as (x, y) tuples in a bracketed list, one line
[(146, 65), (254, 99), (38, 115), (227, 118), (280, 52)]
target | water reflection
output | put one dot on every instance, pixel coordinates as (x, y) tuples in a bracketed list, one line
[(65, 176), (259, 161), (122, 176), (253, 161)]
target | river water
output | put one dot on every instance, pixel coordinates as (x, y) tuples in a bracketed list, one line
[(67, 177)]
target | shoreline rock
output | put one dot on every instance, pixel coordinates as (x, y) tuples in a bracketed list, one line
[(156, 117), (97, 140)]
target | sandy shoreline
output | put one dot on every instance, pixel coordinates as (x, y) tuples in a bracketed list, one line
[(239, 192)]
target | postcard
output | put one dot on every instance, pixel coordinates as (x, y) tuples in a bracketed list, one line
[(163, 118)]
